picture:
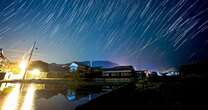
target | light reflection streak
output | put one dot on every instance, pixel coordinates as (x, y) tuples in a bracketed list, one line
[(29, 97), (3, 85), (11, 101)]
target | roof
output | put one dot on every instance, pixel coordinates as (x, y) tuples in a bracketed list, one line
[(79, 63), (119, 68)]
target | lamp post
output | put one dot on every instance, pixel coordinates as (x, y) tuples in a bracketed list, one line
[(30, 56)]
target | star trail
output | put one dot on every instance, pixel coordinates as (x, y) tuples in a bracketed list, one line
[(144, 33)]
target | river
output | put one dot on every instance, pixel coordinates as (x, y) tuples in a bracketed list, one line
[(48, 96)]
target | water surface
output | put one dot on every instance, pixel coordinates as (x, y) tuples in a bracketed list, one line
[(44, 96)]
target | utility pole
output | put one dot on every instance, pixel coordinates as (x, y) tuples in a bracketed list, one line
[(30, 56)]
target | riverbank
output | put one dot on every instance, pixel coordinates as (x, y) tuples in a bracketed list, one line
[(63, 80), (163, 95)]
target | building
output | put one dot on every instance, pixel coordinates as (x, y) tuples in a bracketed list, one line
[(73, 70), (57, 71), (3, 61), (119, 74), (141, 74), (2, 57), (78, 70)]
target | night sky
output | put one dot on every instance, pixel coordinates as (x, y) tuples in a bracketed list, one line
[(152, 34)]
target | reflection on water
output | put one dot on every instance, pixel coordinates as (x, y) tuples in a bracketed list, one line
[(10, 102), (29, 97), (47, 96)]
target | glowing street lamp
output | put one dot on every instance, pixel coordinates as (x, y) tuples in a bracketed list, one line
[(23, 65), (28, 62)]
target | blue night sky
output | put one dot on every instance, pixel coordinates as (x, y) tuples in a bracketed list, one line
[(153, 34)]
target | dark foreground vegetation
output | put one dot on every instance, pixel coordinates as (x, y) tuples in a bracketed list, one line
[(187, 91), (168, 95)]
